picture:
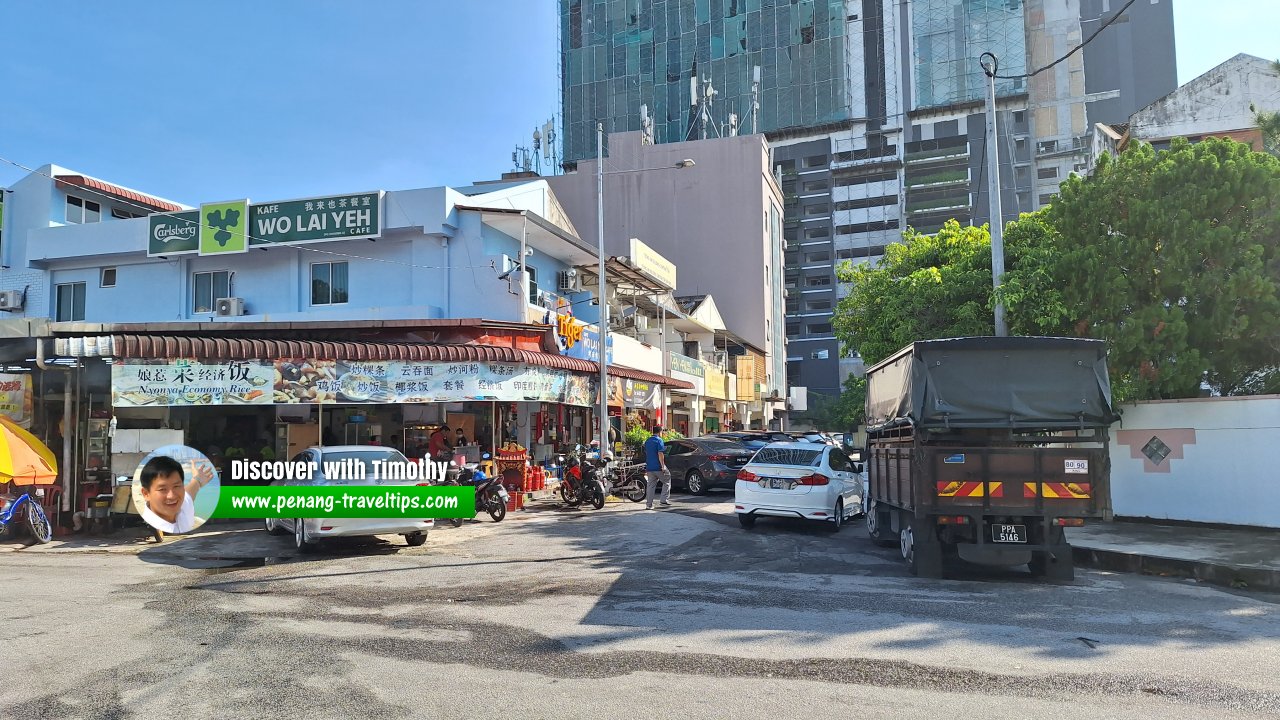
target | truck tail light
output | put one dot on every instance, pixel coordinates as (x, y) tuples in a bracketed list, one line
[(1069, 522), (746, 475), (814, 479), (953, 520)]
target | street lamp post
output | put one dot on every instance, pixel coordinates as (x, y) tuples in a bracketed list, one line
[(991, 66), (602, 293)]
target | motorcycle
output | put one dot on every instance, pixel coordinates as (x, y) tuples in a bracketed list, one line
[(491, 495), (627, 482), (580, 482)]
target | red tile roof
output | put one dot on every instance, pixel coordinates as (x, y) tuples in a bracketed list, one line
[(116, 191)]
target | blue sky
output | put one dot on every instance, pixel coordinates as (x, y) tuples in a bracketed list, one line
[(285, 99)]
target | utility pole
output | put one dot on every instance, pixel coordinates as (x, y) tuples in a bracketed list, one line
[(602, 294), (991, 66)]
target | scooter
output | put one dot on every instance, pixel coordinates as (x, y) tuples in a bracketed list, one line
[(580, 483), (491, 495)]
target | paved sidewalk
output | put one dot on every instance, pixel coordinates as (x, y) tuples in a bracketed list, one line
[(1233, 557)]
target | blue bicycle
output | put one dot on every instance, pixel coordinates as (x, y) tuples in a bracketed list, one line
[(37, 522)]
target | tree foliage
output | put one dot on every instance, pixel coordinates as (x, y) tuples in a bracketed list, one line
[(842, 412), (927, 286), (1269, 123), (1172, 258)]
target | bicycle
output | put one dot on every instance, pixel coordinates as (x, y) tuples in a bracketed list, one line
[(37, 522)]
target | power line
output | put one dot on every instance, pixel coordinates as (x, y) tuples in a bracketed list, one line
[(1075, 49), (173, 215)]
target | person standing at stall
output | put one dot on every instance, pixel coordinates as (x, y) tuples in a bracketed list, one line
[(438, 444)]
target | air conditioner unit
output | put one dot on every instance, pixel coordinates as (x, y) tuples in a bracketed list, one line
[(547, 300), (230, 307), (567, 281), (11, 300)]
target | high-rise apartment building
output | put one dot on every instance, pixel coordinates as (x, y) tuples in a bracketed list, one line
[(875, 110)]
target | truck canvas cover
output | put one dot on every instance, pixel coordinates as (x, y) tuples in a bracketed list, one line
[(993, 382)]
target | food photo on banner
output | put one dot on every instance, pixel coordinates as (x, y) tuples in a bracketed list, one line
[(176, 489)]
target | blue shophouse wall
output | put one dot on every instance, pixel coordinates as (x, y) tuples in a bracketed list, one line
[(432, 261)]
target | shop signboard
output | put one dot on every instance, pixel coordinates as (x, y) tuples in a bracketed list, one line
[(686, 365), (16, 398), (159, 383), (341, 217), (174, 234), (224, 227), (642, 394), (586, 345), (652, 264)]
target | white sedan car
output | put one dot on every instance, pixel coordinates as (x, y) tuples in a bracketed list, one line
[(801, 480), (307, 532)]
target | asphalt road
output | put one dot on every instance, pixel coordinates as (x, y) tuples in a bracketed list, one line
[(612, 613)]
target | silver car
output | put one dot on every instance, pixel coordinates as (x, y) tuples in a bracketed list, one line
[(308, 532)]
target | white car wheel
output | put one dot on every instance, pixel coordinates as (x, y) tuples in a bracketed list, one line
[(300, 539)]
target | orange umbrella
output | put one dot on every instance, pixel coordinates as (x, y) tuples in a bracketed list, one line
[(24, 460)]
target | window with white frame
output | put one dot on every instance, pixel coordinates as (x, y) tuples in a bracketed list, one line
[(329, 285), (80, 211), (207, 288), (107, 278), (69, 302)]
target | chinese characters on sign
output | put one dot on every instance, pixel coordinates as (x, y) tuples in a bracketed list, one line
[(140, 383), (341, 217)]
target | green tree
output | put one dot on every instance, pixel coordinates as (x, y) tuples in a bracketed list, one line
[(927, 286), (841, 412), (1269, 122), (1172, 258)]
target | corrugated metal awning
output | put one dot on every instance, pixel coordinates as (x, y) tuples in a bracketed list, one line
[(225, 348), (170, 347), (641, 375)]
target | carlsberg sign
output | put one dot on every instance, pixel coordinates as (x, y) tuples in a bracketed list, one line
[(337, 217), (174, 233)]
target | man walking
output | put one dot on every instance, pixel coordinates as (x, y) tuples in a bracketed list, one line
[(655, 468)]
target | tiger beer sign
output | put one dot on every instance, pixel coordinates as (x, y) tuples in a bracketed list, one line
[(569, 330)]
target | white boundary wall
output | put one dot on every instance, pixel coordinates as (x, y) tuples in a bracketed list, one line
[(1223, 463)]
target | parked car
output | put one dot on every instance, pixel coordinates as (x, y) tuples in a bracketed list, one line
[(308, 532), (755, 439), (701, 464), (799, 479), (817, 437)]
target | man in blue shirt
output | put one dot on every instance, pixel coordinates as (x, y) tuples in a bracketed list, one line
[(655, 468)]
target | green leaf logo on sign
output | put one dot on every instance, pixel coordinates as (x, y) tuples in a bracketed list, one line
[(224, 227)]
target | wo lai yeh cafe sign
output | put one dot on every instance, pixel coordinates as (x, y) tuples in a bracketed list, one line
[(169, 383), (237, 226)]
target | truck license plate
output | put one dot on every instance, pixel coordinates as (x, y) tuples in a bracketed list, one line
[(1008, 533)]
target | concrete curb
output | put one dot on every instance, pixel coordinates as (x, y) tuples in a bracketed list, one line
[(1243, 578)]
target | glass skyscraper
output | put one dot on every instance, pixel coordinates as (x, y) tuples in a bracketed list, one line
[(617, 55), (949, 36)]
